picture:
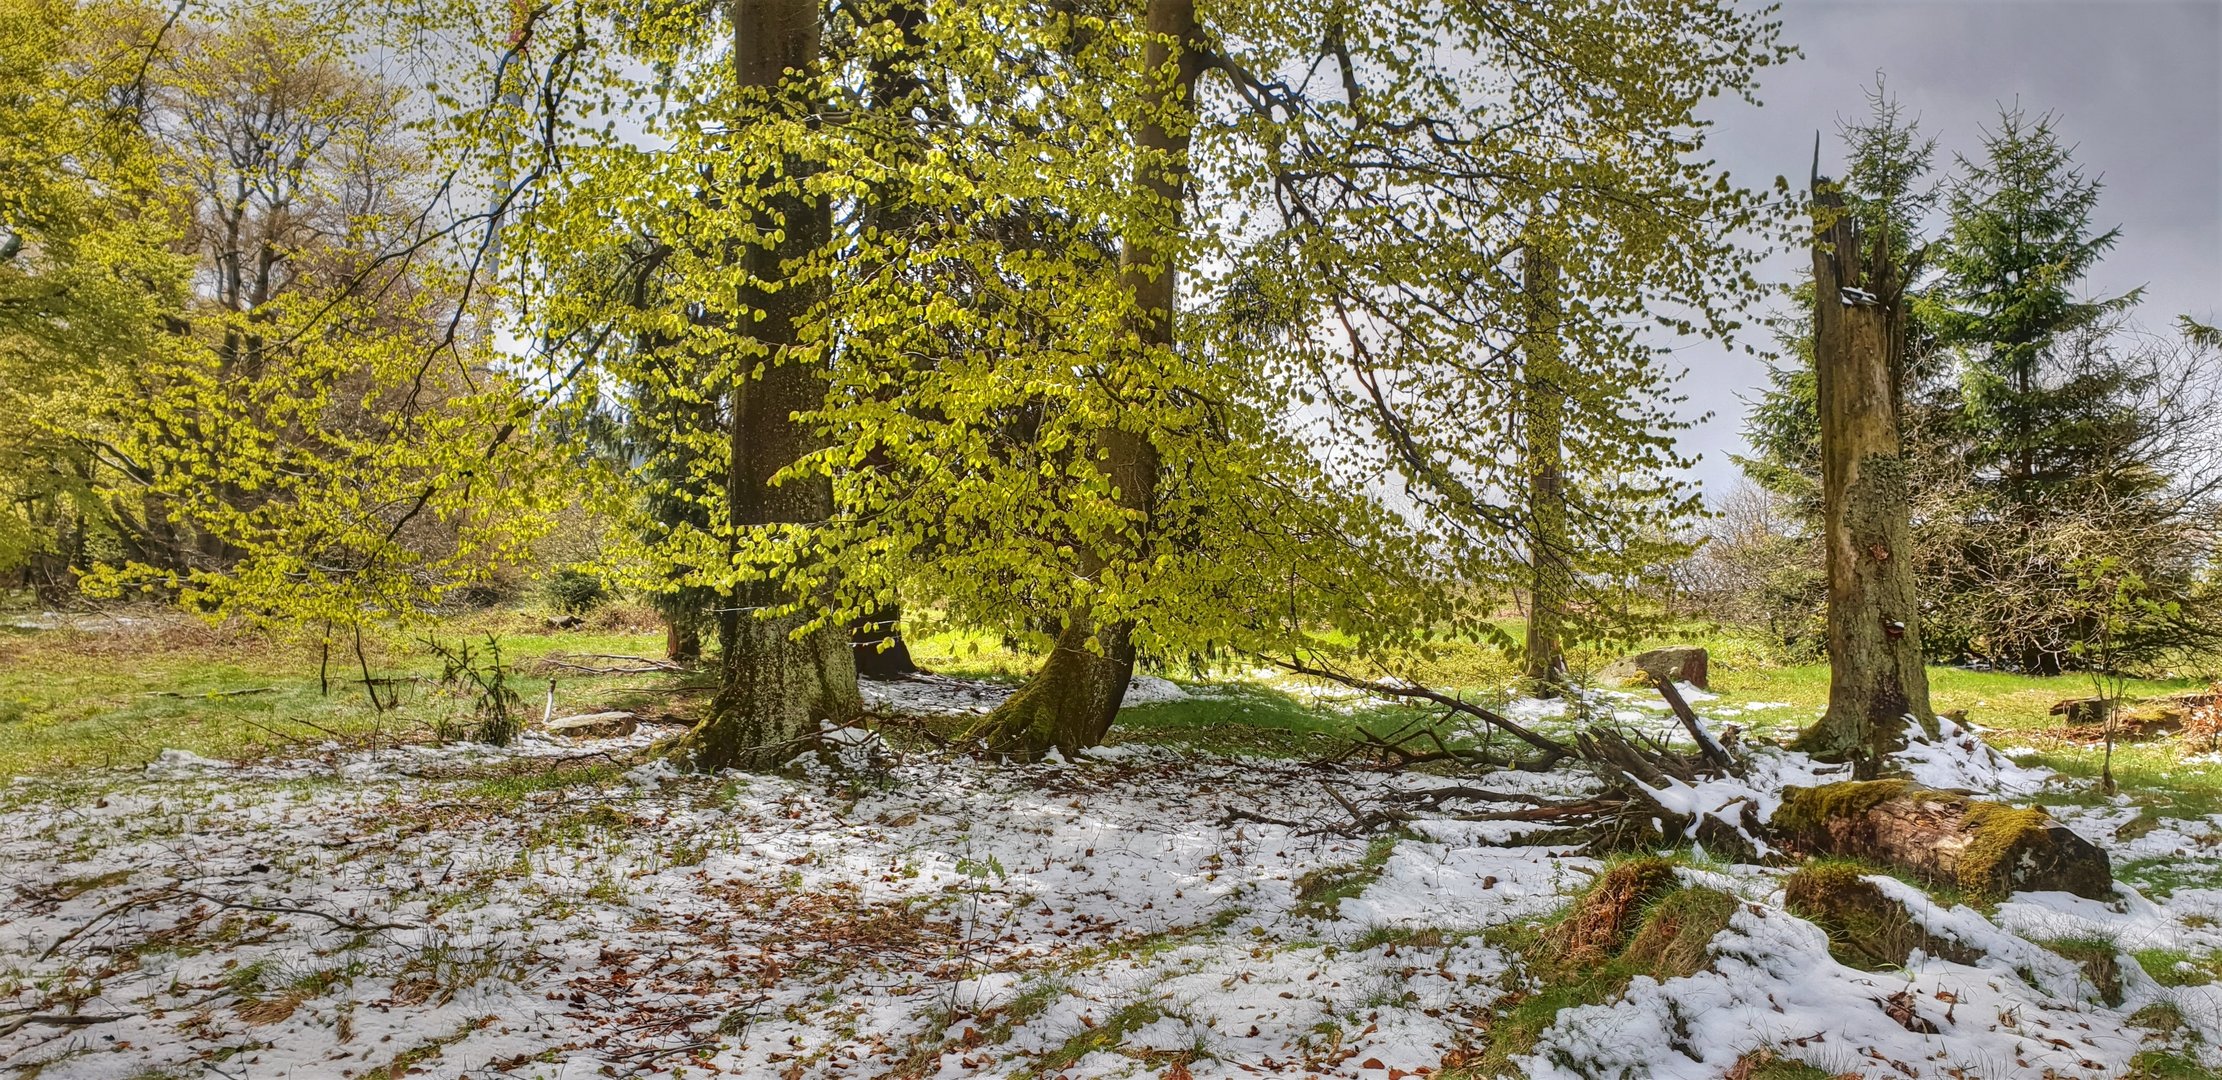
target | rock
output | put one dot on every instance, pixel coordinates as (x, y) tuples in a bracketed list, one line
[(600, 725), (1681, 663)]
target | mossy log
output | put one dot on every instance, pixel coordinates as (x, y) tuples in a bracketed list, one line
[(1985, 848)]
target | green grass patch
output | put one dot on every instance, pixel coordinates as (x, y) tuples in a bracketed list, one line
[(2174, 967), (2100, 959), (1320, 893), (74, 699), (1105, 1035), (517, 787)]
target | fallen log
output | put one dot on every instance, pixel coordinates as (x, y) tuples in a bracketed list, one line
[(1988, 849)]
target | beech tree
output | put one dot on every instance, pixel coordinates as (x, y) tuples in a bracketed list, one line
[(1081, 379)]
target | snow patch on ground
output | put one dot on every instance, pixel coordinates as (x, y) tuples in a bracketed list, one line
[(559, 907), (1774, 984), (1958, 759)]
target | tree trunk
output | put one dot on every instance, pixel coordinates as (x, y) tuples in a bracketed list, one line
[(1543, 406), (775, 687), (1070, 701), (878, 641), (682, 641), (896, 90), (1876, 680), (1986, 848)]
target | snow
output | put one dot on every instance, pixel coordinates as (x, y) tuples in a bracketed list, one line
[(1774, 984), (1958, 759), (559, 907)]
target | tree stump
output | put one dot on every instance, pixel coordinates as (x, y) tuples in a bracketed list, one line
[(1988, 849)]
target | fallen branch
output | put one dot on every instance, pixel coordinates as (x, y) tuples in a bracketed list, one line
[(178, 892), (11, 1026), (1553, 751), (628, 665), (211, 693), (1696, 727)]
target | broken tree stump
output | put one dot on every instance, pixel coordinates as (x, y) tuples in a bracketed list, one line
[(1986, 848)]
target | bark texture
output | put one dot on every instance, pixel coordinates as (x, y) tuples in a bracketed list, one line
[(1070, 701), (1986, 848), (776, 687), (1876, 678), (1543, 414)]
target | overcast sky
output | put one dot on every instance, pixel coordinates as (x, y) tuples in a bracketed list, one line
[(2136, 86)]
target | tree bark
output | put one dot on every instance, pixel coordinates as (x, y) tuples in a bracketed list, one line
[(1543, 407), (1876, 678), (776, 686), (1071, 699)]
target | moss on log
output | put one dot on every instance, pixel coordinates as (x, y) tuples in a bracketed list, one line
[(1987, 849)]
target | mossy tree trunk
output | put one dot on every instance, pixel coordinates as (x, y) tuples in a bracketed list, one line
[(1543, 407), (1876, 678), (1071, 699), (776, 686)]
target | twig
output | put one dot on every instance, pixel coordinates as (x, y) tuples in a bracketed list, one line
[(10, 1027), (176, 892), (211, 693)]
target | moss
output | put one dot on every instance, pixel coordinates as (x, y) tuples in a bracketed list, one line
[(1808, 809), (1669, 936), (1602, 919), (1999, 834)]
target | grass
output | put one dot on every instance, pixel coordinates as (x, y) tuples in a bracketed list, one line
[(74, 699), (1259, 720), (1320, 892), (77, 699)]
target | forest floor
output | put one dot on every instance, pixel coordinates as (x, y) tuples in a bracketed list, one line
[(314, 903)]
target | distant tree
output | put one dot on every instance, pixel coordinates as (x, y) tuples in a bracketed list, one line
[(2029, 417), (90, 274), (312, 440), (2019, 241)]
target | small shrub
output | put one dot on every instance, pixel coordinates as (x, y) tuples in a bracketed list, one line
[(575, 592), (496, 708)]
